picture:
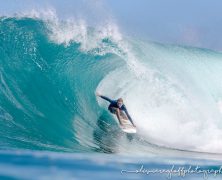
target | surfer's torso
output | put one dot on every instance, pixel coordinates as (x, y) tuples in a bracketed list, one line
[(114, 104)]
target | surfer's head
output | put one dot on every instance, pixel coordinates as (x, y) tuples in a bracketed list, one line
[(120, 102)]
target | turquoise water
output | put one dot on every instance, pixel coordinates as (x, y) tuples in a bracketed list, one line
[(51, 165), (49, 73)]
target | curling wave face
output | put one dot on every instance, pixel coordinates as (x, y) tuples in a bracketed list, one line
[(50, 70)]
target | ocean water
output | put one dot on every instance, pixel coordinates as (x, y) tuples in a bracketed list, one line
[(53, 126)]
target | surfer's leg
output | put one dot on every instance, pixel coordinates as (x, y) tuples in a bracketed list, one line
[(118, 116), (123, 115), (116, 111)]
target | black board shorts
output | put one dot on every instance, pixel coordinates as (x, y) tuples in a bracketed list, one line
[(112, 110)]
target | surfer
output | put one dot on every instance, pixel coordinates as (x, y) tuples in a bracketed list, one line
[(116, 107)]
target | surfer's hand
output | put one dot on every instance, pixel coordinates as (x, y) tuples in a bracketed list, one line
[(97, 94)]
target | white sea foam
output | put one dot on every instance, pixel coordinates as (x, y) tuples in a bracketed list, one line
[(173, 106)]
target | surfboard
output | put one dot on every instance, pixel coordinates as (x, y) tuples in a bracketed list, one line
[(127, 126)]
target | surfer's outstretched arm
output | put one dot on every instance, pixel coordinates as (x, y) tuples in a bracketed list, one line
[(104, 97), (129, 117)]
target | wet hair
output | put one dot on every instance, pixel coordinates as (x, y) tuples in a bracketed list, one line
[(120, 100)]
